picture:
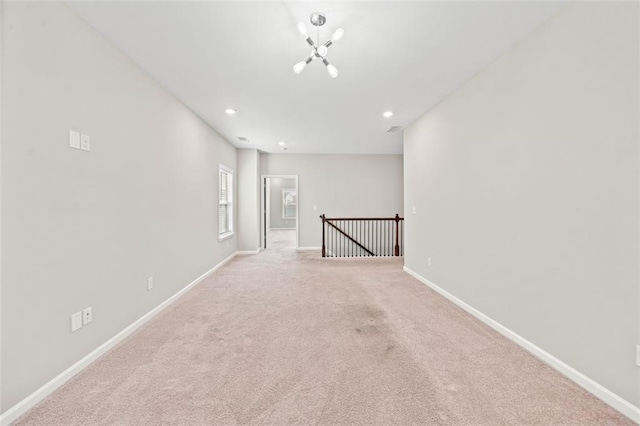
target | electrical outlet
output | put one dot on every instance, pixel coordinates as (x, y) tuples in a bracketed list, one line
[(638, 355), (149, 283), (76, 321), (429, 261), (85, 142), (87, 316)]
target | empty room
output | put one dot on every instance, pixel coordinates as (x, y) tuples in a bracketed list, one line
[(319, 213)]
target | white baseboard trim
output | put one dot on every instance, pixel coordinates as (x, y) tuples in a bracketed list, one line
[(248, 252), (615, 401), (308, 248), (47, 389)]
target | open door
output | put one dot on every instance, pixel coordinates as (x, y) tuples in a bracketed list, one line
[(265, 209), (275, 208)]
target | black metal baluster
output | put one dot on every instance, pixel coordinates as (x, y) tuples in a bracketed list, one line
[(351, 234)]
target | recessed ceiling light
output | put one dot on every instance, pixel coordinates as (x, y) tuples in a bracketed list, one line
[(387, 114), (231, 111), (281, 143)]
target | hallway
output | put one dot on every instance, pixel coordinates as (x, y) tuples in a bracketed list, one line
[(285, 337), (281, 239)]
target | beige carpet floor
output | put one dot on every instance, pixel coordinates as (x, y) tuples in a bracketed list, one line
[(289, 338)]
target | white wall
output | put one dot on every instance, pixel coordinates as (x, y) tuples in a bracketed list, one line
[(275, 214), (82, 228), (248, 174), (526, 189), (340, 185)]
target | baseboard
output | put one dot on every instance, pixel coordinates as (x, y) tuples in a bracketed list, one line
[(248, 252), (308, 248), (615, 401), (29, 402)]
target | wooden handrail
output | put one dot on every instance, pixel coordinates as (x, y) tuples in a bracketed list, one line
[(397, 218)]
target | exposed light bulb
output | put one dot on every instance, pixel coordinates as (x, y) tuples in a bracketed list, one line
[(333, 71), (387, 114), (322, 50), (337, 35), (302, 28), (297, 68)]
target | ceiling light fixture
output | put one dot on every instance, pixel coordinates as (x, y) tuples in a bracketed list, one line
[(231, 111), (387, 114), (281, 143), (319, 50)]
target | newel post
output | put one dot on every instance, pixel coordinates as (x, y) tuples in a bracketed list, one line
[(397, 247), (323, 246)]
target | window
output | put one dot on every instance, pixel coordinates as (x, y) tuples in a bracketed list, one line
[(289, 201), (225, 207)]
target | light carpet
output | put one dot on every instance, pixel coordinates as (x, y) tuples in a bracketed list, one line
[(290, 338)]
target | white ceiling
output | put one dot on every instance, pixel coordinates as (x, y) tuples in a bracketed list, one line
[(402, 56)]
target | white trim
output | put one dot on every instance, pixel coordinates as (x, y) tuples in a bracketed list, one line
[(615, 401), (248, 252), (282, 229), (226, 236), (47, 389), (308, 248)]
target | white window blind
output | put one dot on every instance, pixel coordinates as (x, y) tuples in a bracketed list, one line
[(225, 210)]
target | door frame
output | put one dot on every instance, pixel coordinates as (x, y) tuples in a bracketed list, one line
[(263, 208)]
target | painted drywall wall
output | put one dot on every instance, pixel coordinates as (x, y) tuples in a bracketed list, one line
[(275, 215), (248, 200), (526, 191), (340, 185), (83, 228)]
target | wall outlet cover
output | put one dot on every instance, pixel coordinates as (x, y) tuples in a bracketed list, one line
[(76, 321), (85, 143), (87, 316)]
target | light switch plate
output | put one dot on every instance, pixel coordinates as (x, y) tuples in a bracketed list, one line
[(85, 142), (149, 283), (638, 355), (87, 315), (74, 139), (413, 210), (76, 321)]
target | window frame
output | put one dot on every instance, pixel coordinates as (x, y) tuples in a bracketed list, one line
[(229, 202)]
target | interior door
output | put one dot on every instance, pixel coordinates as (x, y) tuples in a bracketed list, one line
[(264, 211)]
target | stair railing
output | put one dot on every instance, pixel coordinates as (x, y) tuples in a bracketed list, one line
[(355, 237)]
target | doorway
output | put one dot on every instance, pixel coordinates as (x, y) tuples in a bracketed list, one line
[(280, 220)]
